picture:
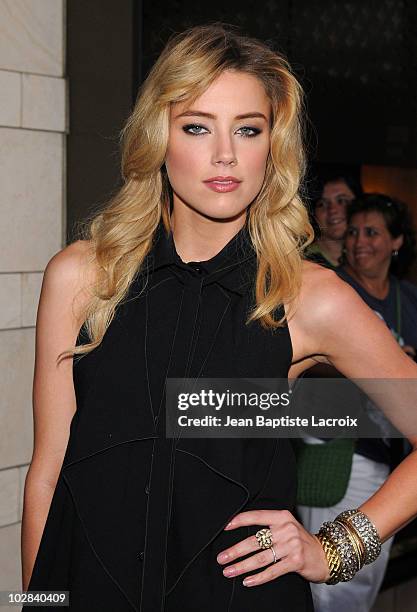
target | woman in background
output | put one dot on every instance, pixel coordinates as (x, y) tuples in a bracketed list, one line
[(379, 250), (329, 215)]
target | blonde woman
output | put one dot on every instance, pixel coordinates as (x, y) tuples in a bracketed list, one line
[(194, 269)]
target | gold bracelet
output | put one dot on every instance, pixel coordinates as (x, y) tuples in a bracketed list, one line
[(333, 558), (356, 541), (342, 539)]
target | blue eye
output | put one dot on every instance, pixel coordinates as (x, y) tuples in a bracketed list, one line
[(194, 129), (198, 130), (246, 134)]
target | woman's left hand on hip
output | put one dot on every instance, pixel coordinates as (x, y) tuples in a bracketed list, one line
[(296, 550)]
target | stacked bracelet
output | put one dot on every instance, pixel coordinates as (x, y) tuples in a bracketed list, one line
[(349, 542), (365, 530), (356, 542), (333, 558), (346, 549)]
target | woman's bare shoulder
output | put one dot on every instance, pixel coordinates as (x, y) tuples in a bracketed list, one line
[(326, 311), (313, 273), (69, 275), (324, 297), (319, 282), (72, 259)]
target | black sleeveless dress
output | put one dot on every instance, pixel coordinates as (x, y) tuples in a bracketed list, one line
[(137, 519)]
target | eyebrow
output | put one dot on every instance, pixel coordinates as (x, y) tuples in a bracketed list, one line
[(337, 195), (365, 226), (197, 113)]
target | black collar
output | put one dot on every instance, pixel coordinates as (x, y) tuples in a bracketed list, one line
[(234, 267)]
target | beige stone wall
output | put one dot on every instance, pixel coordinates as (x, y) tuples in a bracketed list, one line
[(33, 123)]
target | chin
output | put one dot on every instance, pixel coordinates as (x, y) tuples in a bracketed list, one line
[(364, 266), (337, 236), (221, 213)]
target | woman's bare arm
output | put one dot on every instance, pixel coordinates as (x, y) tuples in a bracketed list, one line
[(331, 324), (62, 302), (334, 325)]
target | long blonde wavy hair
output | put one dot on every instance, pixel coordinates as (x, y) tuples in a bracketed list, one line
[(121, 234)]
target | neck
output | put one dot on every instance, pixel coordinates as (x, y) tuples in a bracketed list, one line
[(376, 284), (199, 238), (331, 249)]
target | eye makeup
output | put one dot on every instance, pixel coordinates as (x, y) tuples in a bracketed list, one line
[(194, 130)]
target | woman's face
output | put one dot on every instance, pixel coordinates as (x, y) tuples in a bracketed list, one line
[(218, 148), (330, 210), (369, 244)]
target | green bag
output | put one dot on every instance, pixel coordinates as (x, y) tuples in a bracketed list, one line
[(323, 471)]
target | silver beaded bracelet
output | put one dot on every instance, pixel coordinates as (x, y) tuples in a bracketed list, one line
[(366, 530)]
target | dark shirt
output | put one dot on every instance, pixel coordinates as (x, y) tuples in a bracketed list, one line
[(398, 309), (315, 254), (137, 519)]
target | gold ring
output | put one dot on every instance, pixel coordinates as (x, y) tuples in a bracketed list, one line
[(264, 537)]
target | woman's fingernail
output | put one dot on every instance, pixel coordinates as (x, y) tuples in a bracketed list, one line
[(229, 571), (248, 581), (229, 525), (222, 558)]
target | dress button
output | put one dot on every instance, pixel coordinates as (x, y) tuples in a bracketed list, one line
[(196, 267), (147, 489), (156, 419), (141, 555)]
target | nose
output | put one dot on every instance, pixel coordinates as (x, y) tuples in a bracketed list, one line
[(333, 207), (360, 239), (224, 150)]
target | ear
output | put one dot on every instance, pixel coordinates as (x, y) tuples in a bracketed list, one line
[(397, 242)]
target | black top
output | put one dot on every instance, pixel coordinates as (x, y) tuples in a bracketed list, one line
[(137, 520)]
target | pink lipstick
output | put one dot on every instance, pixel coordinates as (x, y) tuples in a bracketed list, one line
[(223, 184)]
